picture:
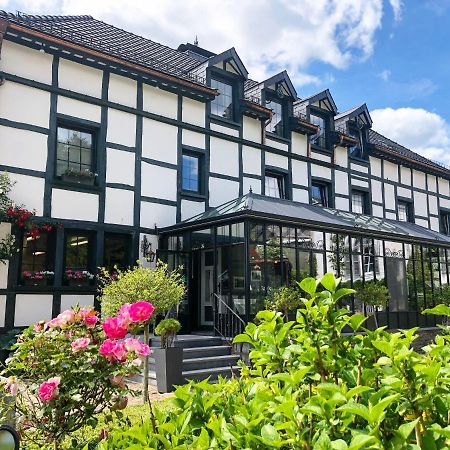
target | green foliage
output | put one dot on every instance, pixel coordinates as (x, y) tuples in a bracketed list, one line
[(312, 385), (7, 242), (285, 300), (167, 329), (372, 293), (161, 287)]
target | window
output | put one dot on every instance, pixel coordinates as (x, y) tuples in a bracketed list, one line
[(359, 202), (78, 259), (275, 185), (404, 211), (74, 154), (116, 251), (191, 172), (320, 194), (445, 222), (37, 259), (319, 138), (222, 105), (276, 122), (355, 150)]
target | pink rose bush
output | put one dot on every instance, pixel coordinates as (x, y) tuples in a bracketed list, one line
[(67, 370)]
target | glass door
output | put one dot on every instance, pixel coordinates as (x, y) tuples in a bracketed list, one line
[(207, 288)]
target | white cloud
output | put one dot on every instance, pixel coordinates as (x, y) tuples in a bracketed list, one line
[(385, 74), (269, 35), (423, 131), (397, 6)]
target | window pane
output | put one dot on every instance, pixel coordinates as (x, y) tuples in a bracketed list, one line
[(358, 202), (35, 254), (276, 123), (116, 251), (318, 138), (222, 105), (319, 194), (77, 252), (190, 173), (274, 186)]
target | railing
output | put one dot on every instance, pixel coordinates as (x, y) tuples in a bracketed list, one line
[(227, 322)]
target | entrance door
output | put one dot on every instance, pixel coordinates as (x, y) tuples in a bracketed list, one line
[(207, 288)]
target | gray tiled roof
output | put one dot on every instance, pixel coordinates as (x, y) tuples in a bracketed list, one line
[(100, 36), (378, 139)]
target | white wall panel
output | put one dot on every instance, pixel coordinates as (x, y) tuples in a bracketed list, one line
[(119, 167), (251, 183), (341, 182), (224, 129), (434, 224), (275, 144), (31, 308), (443, 187), (300, 172), (193, 112), (222, 191), (320, 171), (377, 211), (193, 139), (252, 129), (433, 204), (420, 204), (359, 168), (122, 90), (390, 171), (119, 206), (76, 108), (405, 175), (28, 191), (342, 204), (300, 195), (158, 101), (444, 203), (275, 160), (375, 166), (419, 179), (319, 157), (389, 196), (341, 156), (190, 209), (358, 182), (74, 205), (403, 192), (80, 78), (377, 193), (23, 148), (5, 229), (121, 128), (25, 104), (251, 159), (158, 182), (422, 222), (38, 65), (159, 141), (299, 144), (224, 157), (2, 310), (69, 301), (391, 215), (431, 183), (156, 213)]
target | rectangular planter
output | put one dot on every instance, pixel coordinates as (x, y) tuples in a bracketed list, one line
[(168, 368), (89, 181)]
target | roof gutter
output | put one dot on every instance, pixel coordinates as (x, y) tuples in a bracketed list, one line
[(79, 48)]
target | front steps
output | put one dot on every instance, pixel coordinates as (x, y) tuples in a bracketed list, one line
[(203, 356)]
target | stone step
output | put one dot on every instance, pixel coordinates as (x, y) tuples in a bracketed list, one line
[(203, 352), (189, 341), (212, 373), (211, 362)]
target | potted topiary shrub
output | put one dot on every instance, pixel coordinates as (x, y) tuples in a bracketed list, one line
[(168, 359)]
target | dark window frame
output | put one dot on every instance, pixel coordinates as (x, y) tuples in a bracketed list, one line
[(326, 116), (127, 239), (365, 200), (409, 209), (269, 95), (280, 175), (83, 127), (91, 257), (200, 155), (357, 152), (325, 188), (444, 221)]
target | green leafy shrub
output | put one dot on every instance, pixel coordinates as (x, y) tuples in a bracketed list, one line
[(311, 386), (167, 329), (286, 300)]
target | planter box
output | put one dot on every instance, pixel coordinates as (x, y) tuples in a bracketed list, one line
[(168, 368), (80, 180)]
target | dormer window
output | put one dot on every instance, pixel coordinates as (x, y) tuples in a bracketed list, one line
[(222, 105), (276, 122), (320, 138)]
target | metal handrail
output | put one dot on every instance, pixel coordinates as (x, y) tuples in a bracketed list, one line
[(229, 308), (231, 325)]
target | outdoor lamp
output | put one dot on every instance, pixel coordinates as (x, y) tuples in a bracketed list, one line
[(9, 439)]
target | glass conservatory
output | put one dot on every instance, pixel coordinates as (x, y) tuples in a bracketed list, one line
[(236, 255)]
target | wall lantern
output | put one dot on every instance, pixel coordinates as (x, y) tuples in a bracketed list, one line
[(9, 438), (146, 247)]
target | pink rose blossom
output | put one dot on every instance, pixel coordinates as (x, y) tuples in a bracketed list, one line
[(137, 346), (113, 350), (49, 389), (140, 311), (12, 386), (67, 317), (136, 362), (80, 344), (89, 317), (114, 329), (54, 323), (124, 315)]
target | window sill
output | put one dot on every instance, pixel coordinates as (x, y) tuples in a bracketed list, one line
[(193, 195), (223, 121), (76, 186), (359, 160)]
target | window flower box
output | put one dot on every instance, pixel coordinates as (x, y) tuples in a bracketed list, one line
[(37, 278), (78, 277), (79, 176)]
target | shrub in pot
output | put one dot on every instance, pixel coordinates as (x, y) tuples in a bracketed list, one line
[(168, 359)]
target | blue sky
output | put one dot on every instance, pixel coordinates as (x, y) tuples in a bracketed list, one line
[(391, 54)]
